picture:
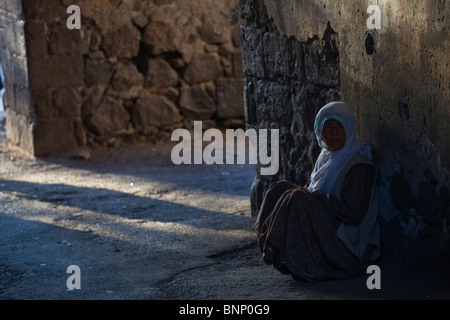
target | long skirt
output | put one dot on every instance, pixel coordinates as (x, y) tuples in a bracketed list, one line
[(297, 234)]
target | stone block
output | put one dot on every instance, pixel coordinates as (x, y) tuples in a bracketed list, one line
[(56, 71), (250, 101), (238, 71), (43, 104), (22, 100), (15, 7), (273, 102), (230, 98), (252, 51), (282, 56), (9, 97), (105, 116), (67, 102), (122, 43), (160, 74), (128, 81), (20, 71), (140, 20), (196, 104), (89, 107), (161, 37), (209, 35), (97, 72), (19, 129), (95, 40), (63, 41), (36, 38), (236, 36), (307, 101), (321, 67), (44, 10), (253, 11), (203, 68), (55, 135), (153, 110)]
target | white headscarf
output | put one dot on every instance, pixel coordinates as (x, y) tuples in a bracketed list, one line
[(330, 163)]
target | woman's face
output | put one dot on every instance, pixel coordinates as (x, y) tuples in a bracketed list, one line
[(333, 134)]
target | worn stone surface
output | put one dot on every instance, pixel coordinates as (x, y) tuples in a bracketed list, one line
[(124, 50), (122, 43), (67, 102), (128, 81), (43, 104), (203, 68), (107, 117), (161, 37), (196, 104), (56, 134), (160, 74), (252, 51), (97, 72), (229, 98), (322, 61), (153, 110), (13, 55), (209, 35), (63, 41), (19, 128), (283, 56), (61, 71)]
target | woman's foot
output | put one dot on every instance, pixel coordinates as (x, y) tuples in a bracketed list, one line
[(284, 269), (268, 255)]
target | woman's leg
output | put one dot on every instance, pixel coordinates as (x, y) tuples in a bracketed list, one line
[(312, 250), (273, 194), (272, 199)]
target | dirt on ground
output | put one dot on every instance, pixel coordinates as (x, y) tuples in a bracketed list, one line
[(140, 227)]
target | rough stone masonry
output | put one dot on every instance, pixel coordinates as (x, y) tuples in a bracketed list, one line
[(298, 55), (135, 70)]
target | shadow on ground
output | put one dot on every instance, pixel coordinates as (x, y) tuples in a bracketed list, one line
[(140, 227)]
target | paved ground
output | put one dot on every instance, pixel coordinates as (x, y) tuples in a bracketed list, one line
[(140, 227)]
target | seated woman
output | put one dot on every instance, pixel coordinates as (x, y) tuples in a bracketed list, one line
[(329, 229)]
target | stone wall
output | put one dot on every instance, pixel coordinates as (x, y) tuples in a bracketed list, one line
[(13, 56), (300, 54), (135, 70), (287, 82)]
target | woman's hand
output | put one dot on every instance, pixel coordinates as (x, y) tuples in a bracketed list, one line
[(305, 187), (318, 192), (322, 197)]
